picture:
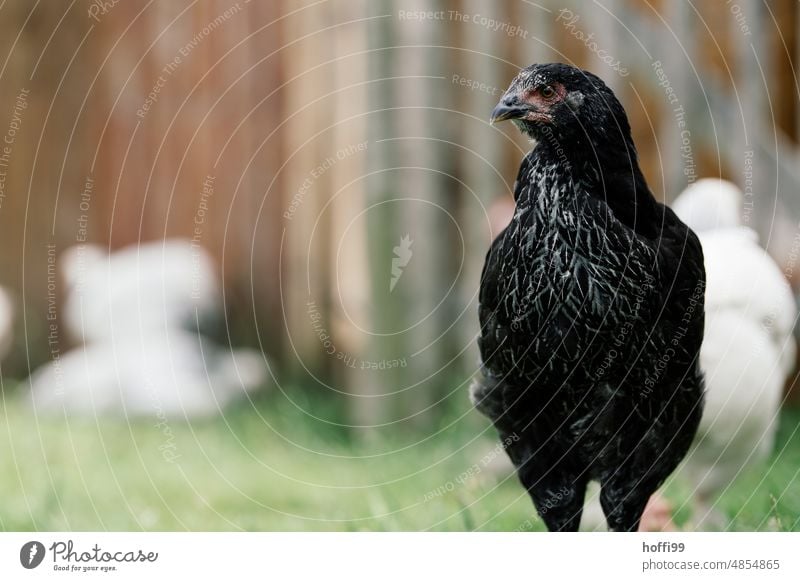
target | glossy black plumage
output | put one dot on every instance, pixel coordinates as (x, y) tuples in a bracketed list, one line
[(591, 310)]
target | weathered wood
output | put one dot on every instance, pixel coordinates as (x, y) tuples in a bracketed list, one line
[(259, 102)]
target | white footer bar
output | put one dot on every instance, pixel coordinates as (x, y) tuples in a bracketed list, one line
[(400, 556)]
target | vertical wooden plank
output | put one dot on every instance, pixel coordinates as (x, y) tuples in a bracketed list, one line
[(783, 46), (422, 206), (484, 158), (379, 187), (306, 149), (350, 299), (678, 17), (601, 19), (258, 272), (753, 126)]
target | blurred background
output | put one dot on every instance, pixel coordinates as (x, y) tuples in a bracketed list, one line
[(333, 163)]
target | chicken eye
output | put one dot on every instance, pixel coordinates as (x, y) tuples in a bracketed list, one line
[(548, 92)]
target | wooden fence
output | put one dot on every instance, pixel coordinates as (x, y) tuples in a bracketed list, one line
[(335, 156)]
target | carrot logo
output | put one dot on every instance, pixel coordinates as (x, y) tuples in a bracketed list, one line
[(402, 255), (31, 554)]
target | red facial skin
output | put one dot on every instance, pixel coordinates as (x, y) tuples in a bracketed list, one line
[(542, 104)]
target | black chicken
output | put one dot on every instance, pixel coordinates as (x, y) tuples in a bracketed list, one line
[(591, 310)]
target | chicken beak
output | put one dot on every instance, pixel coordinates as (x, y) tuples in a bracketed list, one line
[(509, 107)]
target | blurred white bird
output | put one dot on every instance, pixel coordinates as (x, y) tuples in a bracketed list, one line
[(747, 355), (748, 350), (151, 286), (710, 204), (136, 313), (170, 375)]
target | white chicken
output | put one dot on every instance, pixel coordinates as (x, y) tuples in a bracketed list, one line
[(748, 349), (152, 286), (136, 314), (171, 375)]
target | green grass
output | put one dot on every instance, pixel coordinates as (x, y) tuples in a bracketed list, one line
[(270, 467)]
